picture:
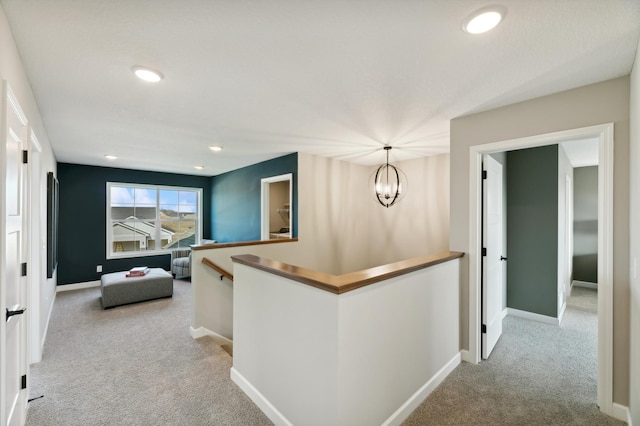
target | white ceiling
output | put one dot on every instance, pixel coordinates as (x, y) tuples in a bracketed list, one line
[(338, 78), (583, 152)]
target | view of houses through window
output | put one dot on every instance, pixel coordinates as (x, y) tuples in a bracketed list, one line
[(147, 218)]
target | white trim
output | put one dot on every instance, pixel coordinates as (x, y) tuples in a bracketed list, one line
[(264, 203), (505, 312), (421, 394), (585, 284), (466, 356), (199, 332), (110, 254), (400, 415), (604, 132), (531, 316), (77, 286), (563, 309), (260, 400), (605, 271), (46, 326), (13, 101), (621, 412)]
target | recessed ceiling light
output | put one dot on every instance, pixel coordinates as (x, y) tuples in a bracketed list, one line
[(198, 167), (147, 74), (483, 20), (110, 157), (215, 148)]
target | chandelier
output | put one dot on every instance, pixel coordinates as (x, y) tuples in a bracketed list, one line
[(389, 183)]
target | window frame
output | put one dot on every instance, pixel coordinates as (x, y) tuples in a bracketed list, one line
[(110, 254)]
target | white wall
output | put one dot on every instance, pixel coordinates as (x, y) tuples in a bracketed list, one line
[(324, 359), (585, 106), (286, 345), (634, 394), (419, 223), (333, 214), (12, 70)]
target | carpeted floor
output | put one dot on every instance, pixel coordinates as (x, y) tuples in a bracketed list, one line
[(133, 365), (538, 374), (137, 365)]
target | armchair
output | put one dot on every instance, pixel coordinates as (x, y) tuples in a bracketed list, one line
[(181, 261)]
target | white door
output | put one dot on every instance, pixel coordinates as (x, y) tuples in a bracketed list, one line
[(13, 284), (492, 279)]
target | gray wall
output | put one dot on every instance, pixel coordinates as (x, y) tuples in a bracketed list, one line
[(532, 230), (605, 102), (585, 224)]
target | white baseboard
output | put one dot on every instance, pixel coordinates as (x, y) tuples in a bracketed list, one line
[(259, 399), (78, 286), (46, 325), (199, 332), (505, 312), (562, 311), (396, 418), (621, 412), (533, 316), (421, 394), (585, 284), (466, 356)]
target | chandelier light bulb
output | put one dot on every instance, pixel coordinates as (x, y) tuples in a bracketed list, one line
[(388, 182)]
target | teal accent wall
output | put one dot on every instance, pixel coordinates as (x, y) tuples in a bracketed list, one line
[(532, 230), (235, 199), (82, 229)]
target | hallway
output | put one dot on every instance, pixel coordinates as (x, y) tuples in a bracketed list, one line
[(537, 374)]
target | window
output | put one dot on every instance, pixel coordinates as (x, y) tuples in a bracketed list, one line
[(144, 220)]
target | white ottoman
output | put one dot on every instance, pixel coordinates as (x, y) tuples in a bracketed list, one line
[(118, 289)]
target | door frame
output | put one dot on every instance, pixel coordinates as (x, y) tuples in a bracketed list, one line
[(10, 101), (491, 255), (264, 202), (604, 133)]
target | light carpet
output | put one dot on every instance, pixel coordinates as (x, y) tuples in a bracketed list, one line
[(133, 365), (538, 374), (137, 365)]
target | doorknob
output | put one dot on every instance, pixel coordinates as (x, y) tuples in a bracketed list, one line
[(503, 258), (15, 312)]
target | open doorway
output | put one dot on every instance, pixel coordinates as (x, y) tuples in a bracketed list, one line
[(604, 135), (276, 201)]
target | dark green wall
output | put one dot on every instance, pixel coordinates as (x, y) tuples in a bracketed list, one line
[(532, 230), (82, 229), (235, 199)]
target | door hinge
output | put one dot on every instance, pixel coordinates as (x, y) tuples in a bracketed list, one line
[(484, 251), (24, 382), (25, 156), (24, 269), (484, 328), (484, 174)]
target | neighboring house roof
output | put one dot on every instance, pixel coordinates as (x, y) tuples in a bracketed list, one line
[(141, 227), (184, 242)]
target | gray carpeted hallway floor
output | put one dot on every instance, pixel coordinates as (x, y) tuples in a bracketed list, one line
[(137, 365), (538, 374)]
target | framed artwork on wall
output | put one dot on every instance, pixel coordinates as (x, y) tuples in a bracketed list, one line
[(52, 224)]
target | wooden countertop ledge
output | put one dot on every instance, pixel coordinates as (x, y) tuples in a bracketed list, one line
[(339, 284), (242, 243)]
